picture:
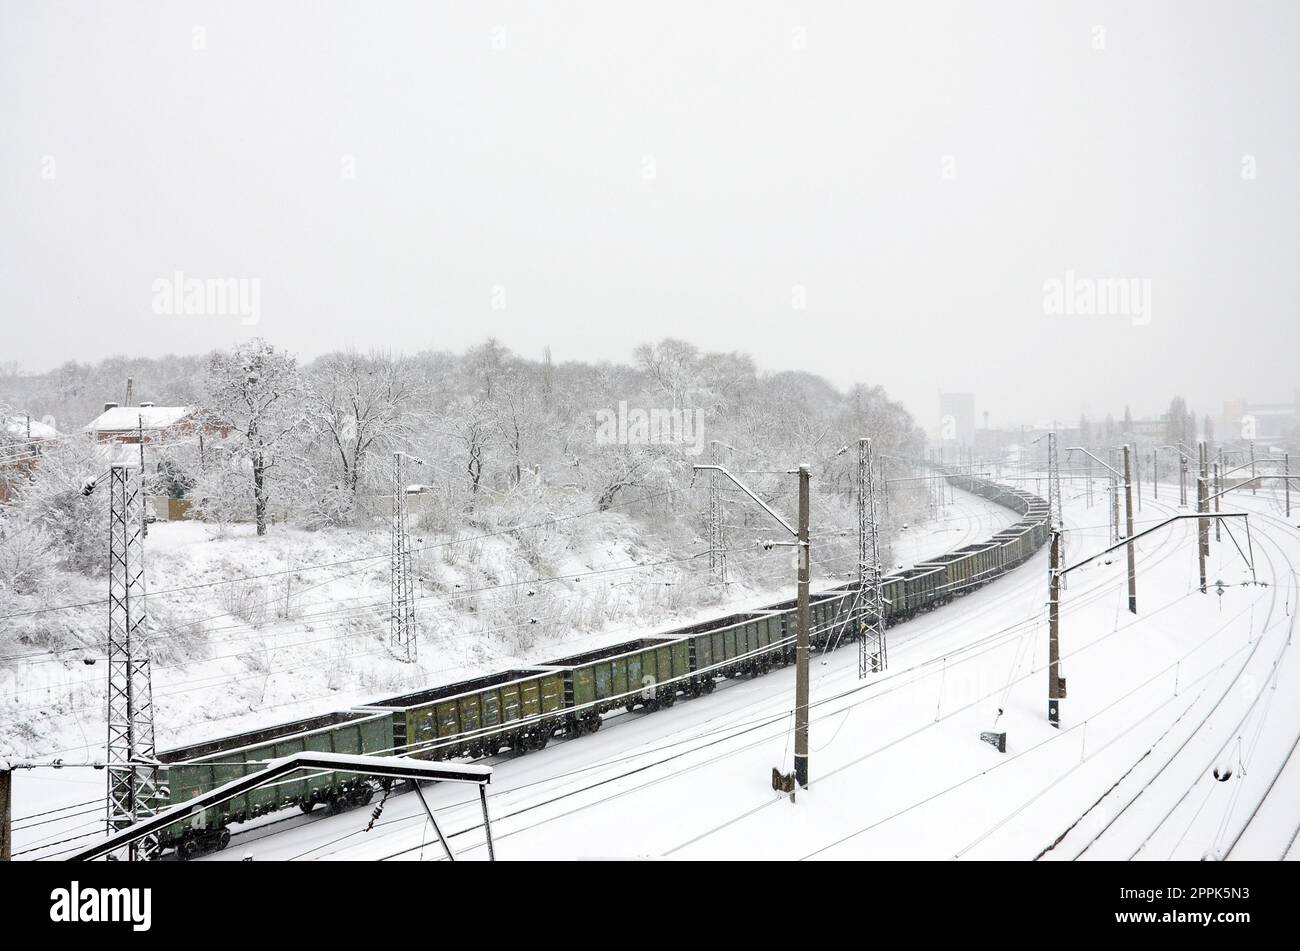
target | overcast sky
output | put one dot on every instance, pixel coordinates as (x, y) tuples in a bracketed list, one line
[(871, 191)]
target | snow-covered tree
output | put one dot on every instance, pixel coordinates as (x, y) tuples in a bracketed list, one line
[(256, 390), (357, 405)]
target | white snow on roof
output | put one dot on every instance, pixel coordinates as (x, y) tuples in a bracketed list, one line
[(123, 418), (17, 426)]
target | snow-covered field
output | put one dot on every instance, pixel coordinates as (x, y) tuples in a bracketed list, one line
[(1156, 704), (306, 643)]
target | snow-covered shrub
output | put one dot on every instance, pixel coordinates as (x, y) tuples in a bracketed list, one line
[(245, 600), (171, 638), (74, 523), (27, 554)]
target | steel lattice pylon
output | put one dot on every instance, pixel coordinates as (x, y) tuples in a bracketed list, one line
[(133, 787), (872, 650), (717, 541), (402, 638)]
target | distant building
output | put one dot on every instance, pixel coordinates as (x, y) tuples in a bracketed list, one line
[(163, 427), (21, 439), (957, 419), (129, 424), (1151, 428), (1250, 421)]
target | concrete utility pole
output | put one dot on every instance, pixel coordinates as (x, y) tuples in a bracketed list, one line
[(1218, 490), (1202, 530), (1252, 466), (802, 646), (6, 815), (1203, 454), (1055, 499), (1128, 534), (1055, 682), (1113, 486), (1137, 474)]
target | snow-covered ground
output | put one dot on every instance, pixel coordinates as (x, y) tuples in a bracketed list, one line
[(259, 662), (1156, 703)]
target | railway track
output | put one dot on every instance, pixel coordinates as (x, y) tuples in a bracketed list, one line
[(1207, 722)]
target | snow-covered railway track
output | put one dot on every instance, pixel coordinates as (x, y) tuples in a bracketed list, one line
[(1206, 723)]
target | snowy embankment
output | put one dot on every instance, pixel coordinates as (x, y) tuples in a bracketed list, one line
[(1156, 704), (297, 641)]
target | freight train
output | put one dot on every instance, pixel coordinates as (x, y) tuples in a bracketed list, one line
[(521, 710)]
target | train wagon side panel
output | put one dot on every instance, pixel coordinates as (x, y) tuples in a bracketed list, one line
[(635, 675), (587, 683), (551, 689), (681, 655), (703, 646)]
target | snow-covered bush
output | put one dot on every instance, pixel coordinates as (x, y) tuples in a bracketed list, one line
[(53, 499), (27, 555)]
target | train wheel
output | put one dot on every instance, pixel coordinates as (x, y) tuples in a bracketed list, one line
[(668, 698), (594, 723), (223, 839), (335, 804), (187, 849), (629, 707), (307, 806), (708, 685)]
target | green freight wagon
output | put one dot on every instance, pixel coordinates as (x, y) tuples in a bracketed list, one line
[(647, 672), (743, 645), (518, 709), (197, 769)]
